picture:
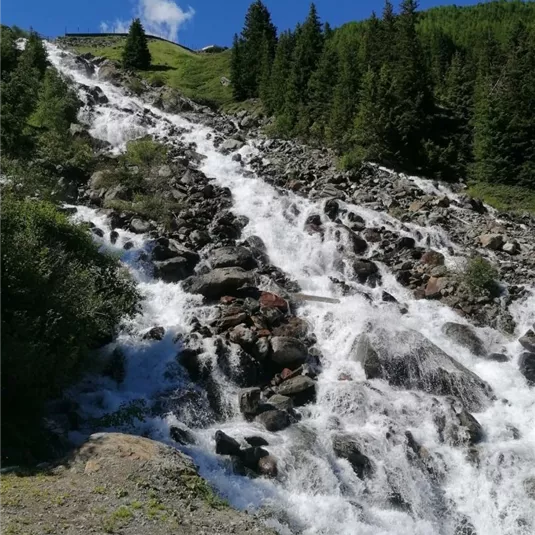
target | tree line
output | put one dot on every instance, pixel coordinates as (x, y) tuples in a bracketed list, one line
[(449, 92)]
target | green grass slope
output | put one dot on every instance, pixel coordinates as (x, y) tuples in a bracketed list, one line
[(197, 75)]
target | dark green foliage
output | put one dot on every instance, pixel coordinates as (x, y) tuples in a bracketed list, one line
[(253, 52), (480, 276), (8, 51), (449, 92), (136, 53), (60, 298)]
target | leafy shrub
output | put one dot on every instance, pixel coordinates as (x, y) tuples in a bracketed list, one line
[(480, 276), (351, 160), (145, 152), (157, 79), (60, 298)]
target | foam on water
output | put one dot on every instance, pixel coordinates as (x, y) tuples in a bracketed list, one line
[(316, 492)]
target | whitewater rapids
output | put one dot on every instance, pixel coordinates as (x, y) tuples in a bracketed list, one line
[(318, 493)]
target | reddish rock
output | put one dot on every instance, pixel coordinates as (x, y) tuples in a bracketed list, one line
[(227, 299), (267, 466), (263, 333), (432, 258), (286, 373), (270, 300), (434, 287)]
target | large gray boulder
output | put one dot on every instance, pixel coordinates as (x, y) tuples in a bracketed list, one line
[(301, 389), (528, 341), (232, 257), (465, 336), (231, 145), (288, 352), (172, 261), (274, 420), (219, 282), (407, 359), (345, 447), (526, 364)]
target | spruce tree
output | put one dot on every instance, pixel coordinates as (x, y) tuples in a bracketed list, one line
[(35, 53), (280, 73), (237, 70), (136, 54), (256, 47)]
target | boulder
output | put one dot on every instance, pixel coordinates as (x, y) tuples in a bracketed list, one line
[(256, 441), (511, 247), (271, 300), (287, 351), (528, 341), (249, 400), (174, 269), (301, 389), (231, 145), (274, 420), (181, 436), (491, 241), (432, 258), (471, 426), (225, 445), (434, 287), (139, 226), (345, 447), (156, 333), (497, 357), (363, 352), (267, 466), (526, 364), (243, 336), (232, 257), (250, 456), (280, 402), (408, 360), (109, 72), (219, 282), (465, 336), (364, 269)]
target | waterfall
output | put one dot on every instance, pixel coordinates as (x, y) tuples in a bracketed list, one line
[(447, 491)]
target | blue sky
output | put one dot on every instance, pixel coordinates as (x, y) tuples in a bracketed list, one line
[(195, 23)]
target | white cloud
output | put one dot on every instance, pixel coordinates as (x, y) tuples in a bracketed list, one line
[(159, 17)]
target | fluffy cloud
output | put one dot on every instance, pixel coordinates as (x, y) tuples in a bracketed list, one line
[(159, 17)]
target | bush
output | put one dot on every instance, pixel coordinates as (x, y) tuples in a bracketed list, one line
[(145, 153), (60, 299), (480, 276), (157, 79)]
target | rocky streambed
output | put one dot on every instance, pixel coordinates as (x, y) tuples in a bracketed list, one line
[(307, 335)]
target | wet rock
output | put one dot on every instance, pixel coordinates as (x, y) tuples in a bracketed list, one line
[(498, 357), (313, 224), (232, 257), (364, 270), (181, 436), (301, 389), (139, 226), (363, 352), (405, 242), (114, 236), (256, 441), (345, 447), (528, 341), (388, 298), (231, 145), (219, 282), (200, 238), (491, 241), (435, 286), (408, 360), (274, 420), (230, 320), (243, 336), (432, 258), (526, 364), (156, 333), (471, 426), (331, 209), (97, 232), (225, 445), (250, 456), (271, 300), (249, 400), (128, 245), (267, 466), (529, 487), (280, 402), (288, 352), (465, 336), (174, 269)]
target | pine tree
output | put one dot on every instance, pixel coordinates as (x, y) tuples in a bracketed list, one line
[(35, 53), (372, 45), (345, 95), (9, 52), (237, 69), (253, 51), (504, 145), (280, 73), (388, 33), (136, 54)]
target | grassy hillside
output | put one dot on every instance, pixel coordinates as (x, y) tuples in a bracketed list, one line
[(197, 75)]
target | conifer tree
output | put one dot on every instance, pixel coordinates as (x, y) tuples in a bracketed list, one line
[(280, 72), (258, 36), (237, 69), (136, 54), (35, 53)]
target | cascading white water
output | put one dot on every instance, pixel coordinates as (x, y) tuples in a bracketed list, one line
[(317, 493)]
